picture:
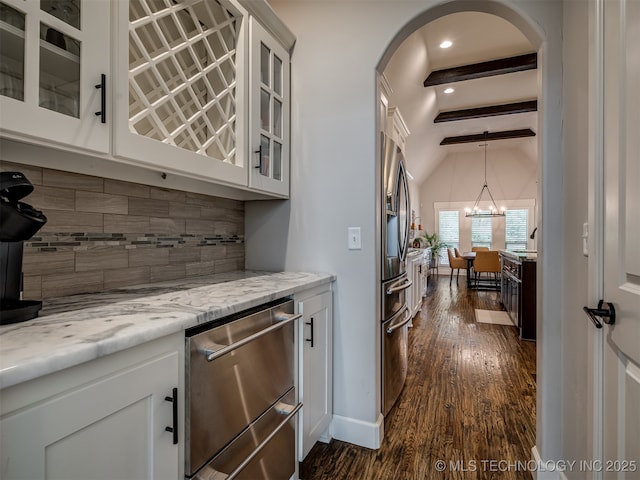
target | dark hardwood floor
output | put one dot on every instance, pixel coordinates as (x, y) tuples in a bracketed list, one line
[(469, 401)]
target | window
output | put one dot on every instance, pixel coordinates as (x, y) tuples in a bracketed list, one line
[(515, 229), (448, 231), (481, 231), (511, 231)]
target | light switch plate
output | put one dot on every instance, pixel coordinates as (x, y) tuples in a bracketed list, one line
[(355, 241), (585, 239)]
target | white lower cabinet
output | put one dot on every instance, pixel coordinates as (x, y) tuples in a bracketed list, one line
[(409, 291), (424, 277), (106, 419), (416, 305), (417, 271), (315, 368)]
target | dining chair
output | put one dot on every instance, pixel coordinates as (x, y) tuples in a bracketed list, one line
[(487, 261), (455, 262), (479, 249), (457, 252)]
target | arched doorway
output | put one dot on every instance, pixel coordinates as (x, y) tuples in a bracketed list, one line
[(548, 192)]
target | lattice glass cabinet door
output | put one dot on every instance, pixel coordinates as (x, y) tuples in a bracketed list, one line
[(184, 90), (53, 53), (269, 106)]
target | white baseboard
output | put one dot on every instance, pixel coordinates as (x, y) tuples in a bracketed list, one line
[(326, 435), (358, 432), (546, 469)]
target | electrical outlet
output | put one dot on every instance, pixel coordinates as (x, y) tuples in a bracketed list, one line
[(355, 241)]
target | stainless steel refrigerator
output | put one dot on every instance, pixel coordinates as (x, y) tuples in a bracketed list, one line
[(395, 241)]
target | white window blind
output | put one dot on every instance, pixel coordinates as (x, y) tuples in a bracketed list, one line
[(481, 231), (516, 228), (448, 231)]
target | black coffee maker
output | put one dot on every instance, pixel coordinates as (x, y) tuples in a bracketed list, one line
[(18, 222)]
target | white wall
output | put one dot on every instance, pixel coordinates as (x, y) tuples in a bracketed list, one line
[(511, 175), (339, 46), (333, 181)]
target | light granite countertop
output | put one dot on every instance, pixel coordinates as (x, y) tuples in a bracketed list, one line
[(522, 255), (79, 328)]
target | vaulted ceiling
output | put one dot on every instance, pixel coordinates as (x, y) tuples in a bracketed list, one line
[(476, 37)]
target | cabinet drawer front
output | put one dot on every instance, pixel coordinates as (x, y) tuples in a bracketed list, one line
[(232, 390), (275, 461)]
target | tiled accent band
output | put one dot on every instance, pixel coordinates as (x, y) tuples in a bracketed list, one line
[(103, 234)]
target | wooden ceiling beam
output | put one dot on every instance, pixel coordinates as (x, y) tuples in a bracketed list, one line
[(489, 136), (500, 66), (489, 111)]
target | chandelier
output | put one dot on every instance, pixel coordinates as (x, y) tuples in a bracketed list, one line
[(493, 209)]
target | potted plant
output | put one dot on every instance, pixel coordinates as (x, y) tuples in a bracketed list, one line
[(436, 246)]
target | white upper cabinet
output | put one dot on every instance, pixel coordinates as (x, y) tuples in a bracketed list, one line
[(53, 55), (181, 87), (269, 112), (396, 127), (202, 90), (197, 89)]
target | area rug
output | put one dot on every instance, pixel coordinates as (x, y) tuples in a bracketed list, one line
[(497, 317)]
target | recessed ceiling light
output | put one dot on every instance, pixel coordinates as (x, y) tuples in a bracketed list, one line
[(449, 90), (446, 44)]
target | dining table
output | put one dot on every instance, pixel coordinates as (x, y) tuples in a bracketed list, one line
[(469, 257)]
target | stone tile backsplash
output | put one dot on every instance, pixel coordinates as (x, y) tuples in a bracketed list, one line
[(103, 234)]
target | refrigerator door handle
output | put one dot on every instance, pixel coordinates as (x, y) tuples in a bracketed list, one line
[(404, 205)]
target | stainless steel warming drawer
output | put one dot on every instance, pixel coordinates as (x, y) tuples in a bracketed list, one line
[(240, 404)]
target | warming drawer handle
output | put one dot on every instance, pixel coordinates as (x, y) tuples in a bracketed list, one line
[(263, 444), (283, 319), (397, 288)]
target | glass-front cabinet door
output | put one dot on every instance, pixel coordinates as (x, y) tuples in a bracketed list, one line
[(180, 91), (269, 112), (54, 61)]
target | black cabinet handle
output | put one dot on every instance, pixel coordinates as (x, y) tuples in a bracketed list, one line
[(259, 152), (174, 428), (103, 99), (310, 340), (608, 315)]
